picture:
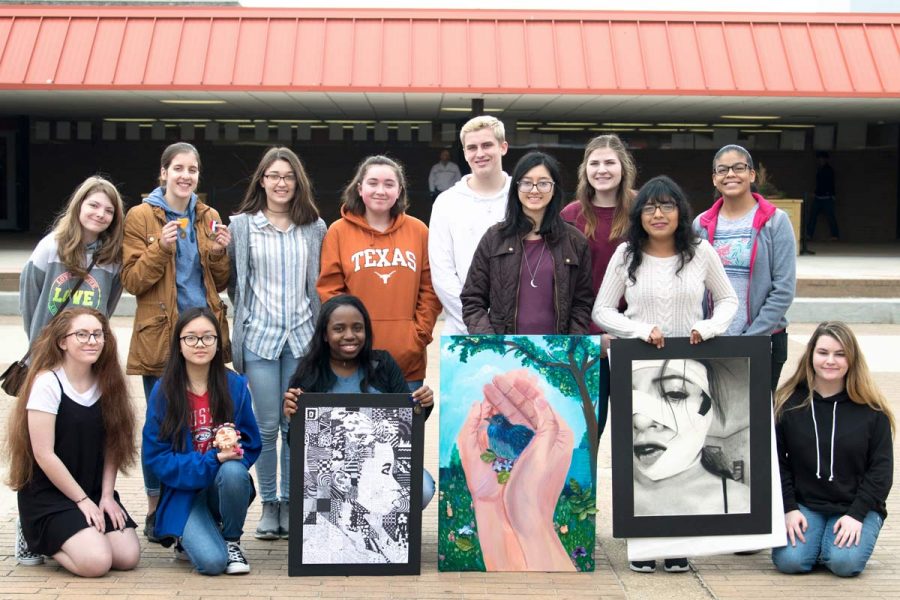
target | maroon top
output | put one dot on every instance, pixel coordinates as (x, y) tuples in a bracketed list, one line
[(600, 245), (536, 313)]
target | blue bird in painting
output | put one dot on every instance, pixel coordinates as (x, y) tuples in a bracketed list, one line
[(507, 440)]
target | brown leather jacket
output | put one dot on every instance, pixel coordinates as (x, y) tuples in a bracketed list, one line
[(148, 272), (490, 297)]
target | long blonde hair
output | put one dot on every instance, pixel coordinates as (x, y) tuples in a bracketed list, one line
[(584, 193), (858, 382), (115, 405), (69, 235)]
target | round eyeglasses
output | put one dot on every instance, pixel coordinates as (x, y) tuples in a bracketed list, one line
[(84, 337)]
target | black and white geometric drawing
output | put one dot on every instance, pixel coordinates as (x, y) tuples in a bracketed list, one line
[(691, 423), (361, 485)]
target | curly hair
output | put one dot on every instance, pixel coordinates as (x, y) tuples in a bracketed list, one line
[(686, 240)]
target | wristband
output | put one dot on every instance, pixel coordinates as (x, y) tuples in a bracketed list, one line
[(82, 500)]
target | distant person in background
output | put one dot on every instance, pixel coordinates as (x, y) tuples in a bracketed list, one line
[(823, 199), (444, 174)]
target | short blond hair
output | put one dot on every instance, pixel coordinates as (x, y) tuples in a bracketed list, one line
[(483, 122)]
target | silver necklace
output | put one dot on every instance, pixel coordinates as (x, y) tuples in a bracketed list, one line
[(537, 266)]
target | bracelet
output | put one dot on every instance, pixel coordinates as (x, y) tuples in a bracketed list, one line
[(82, 500)]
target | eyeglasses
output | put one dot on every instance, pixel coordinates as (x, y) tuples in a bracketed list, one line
[(543, 186), (84, 337), (194, 340), (275, 178), (738, 168), (665, 206)]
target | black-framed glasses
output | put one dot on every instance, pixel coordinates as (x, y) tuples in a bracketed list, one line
[(84, 337), (738, 168), (666, 206), (275, 178), (208, 339), (542, 186)]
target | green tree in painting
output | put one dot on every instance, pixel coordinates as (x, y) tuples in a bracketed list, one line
[(569, 363)]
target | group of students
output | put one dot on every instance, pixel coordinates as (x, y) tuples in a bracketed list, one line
[(503, 254)]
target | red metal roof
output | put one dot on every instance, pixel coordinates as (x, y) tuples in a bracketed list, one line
[(234, 49)]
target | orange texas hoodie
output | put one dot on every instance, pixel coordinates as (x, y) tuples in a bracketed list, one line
[(389, 272)]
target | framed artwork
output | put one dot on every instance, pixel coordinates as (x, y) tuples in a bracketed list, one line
[(518, 449), (356, 485), (691, 437)]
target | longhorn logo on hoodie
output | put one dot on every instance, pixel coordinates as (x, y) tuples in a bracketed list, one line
[(383, 259)]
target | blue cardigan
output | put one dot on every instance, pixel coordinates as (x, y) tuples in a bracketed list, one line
[(187, 472)]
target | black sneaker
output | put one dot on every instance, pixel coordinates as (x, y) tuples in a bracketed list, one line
[(237, 562), (24, 556), (677, 565), (642, 566), (150, 528)]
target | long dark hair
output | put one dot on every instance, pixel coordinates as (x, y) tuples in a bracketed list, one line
[(174, 383), (314, 372), (516, 223), (686, 240)]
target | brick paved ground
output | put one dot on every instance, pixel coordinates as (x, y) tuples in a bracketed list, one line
[(712, 577)]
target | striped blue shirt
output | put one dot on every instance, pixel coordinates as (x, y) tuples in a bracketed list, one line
[(279, 310)]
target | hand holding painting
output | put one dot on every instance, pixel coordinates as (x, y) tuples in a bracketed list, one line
[(515, 513)]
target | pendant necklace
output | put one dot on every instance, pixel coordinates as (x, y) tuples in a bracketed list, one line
[(528, 266)]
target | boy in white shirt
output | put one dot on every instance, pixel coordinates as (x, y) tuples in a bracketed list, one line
[(462, 214)]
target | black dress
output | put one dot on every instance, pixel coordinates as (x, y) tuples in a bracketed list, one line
[(49, 518)]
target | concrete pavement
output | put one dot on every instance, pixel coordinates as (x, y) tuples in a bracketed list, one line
[(712, 577)]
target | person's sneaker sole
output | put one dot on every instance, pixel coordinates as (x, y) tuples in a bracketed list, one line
[(32, 560), (639, 568), (678, 568), (237, 569), (266, 535)]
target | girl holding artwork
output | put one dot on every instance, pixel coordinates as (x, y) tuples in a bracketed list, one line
[(379, 253), (174, 259), (341, 360), (531, 273), (663, 271), (206, 486), (71, 431), (600, 211), (834, 430), (275, 251)]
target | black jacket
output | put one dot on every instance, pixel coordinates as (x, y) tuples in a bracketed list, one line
[(490, 297), (858, 477), (387, 378)]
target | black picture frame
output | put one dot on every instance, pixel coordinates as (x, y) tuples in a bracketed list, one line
[(297, 440), (756, 350)]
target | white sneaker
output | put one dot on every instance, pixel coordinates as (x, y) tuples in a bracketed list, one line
[(180, 554), (24, 556), (237, 562)]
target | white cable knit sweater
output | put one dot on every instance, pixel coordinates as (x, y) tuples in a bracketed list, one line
[(660, 297)]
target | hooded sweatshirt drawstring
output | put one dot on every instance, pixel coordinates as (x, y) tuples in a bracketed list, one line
[(812, 406)]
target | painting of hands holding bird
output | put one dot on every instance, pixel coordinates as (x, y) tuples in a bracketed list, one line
[(516, 454)]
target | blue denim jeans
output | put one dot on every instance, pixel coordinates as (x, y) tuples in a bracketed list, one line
[(268, 380), (151, 481), (819, 546), (217, 515)]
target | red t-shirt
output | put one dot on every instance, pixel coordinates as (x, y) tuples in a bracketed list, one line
[(201, 421)]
